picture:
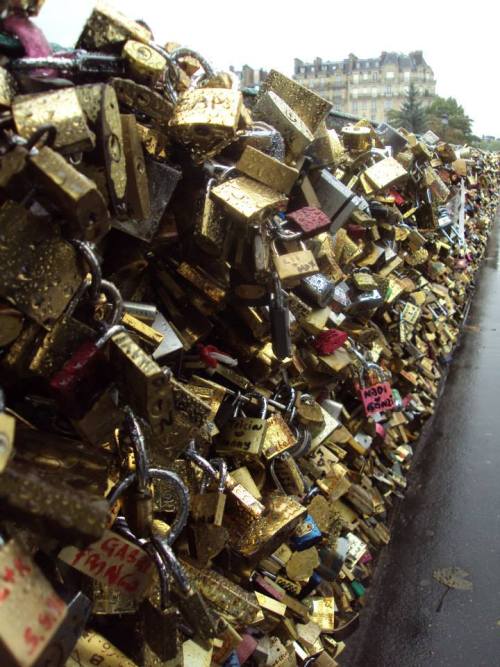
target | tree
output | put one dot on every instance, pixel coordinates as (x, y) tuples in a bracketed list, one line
[(447, 118), (412, 113)]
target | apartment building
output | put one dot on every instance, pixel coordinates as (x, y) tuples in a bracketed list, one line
[(368, 87)]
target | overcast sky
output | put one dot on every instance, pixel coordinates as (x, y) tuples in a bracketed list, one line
[(460, 41)]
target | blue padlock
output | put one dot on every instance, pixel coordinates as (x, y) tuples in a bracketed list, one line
[(306, 535), (232, 661)]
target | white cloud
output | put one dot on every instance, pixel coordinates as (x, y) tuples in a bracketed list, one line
[(459, 42)]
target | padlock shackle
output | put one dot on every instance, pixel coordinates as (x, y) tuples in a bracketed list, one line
[(93, 266), (180, 489), (172, 563), (139, 446), (290, 409), (114, 295), (262, 401), (221, 464), (121, 527), (184, 51)]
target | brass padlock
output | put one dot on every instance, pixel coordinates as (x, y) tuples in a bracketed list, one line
[(41, 272), (248, 200), (267, 170), (60, 108), (144, 383), (73, 193), (245, 436), (291, 267), (206, 120), (145, 64), (107, 29)]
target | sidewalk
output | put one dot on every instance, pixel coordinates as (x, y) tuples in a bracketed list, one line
[(450, 517)]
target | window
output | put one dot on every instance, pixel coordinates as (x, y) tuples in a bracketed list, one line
[(374, 76), (387, 105), (355, 77), (355, 107), (389, 75), (374, 92), (388, 91), (354, 94), (406, 76), (365, 76)]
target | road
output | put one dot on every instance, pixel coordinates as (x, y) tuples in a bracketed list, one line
[(450, 517)]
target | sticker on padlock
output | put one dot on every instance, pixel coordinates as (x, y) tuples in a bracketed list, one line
[(377, 398)]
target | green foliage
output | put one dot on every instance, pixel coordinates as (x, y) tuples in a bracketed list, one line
[(492, 145), (412, 114), (459, 127)]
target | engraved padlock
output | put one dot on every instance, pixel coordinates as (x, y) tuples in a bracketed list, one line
[(244, 436), (291, 267)]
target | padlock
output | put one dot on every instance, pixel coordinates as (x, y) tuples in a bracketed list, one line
[(144, 63), (247, 200), (73, 193), (308, 105), (191, 603), (386, 173), (211, 226), (31, 609), (206, 120), (60, 108), (306, 535), (335, 199), (267, 170), (155, 107), (83, 377), (107, 29), (317, 288), (7, 430), (52, 508), (287, 475), (245, 436), (389, 136), (310, 220), (272, 109), (357, 138), (40, 270), (291, 267)]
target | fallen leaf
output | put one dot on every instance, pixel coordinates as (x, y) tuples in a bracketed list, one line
[(453, 577)]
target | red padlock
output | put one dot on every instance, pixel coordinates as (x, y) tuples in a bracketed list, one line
[(327, 342), (84, 376), (310, 220)]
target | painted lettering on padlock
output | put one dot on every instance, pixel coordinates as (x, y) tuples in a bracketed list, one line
[(112, 561), (30, 610), (377, 398)]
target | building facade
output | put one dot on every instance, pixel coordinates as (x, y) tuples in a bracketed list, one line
[(368, 87), (249, 77)]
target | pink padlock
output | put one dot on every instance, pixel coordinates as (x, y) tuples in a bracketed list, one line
[(310, 220)]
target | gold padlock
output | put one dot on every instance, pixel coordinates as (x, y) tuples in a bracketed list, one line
[(206, 119), (293, 266), (248, 200), (145, 64), (60, 108), (267, 170), (76, 195)]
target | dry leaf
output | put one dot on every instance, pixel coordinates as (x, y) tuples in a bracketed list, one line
[(453, 577)]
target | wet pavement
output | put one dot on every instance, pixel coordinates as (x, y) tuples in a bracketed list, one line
[(450, 517)]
